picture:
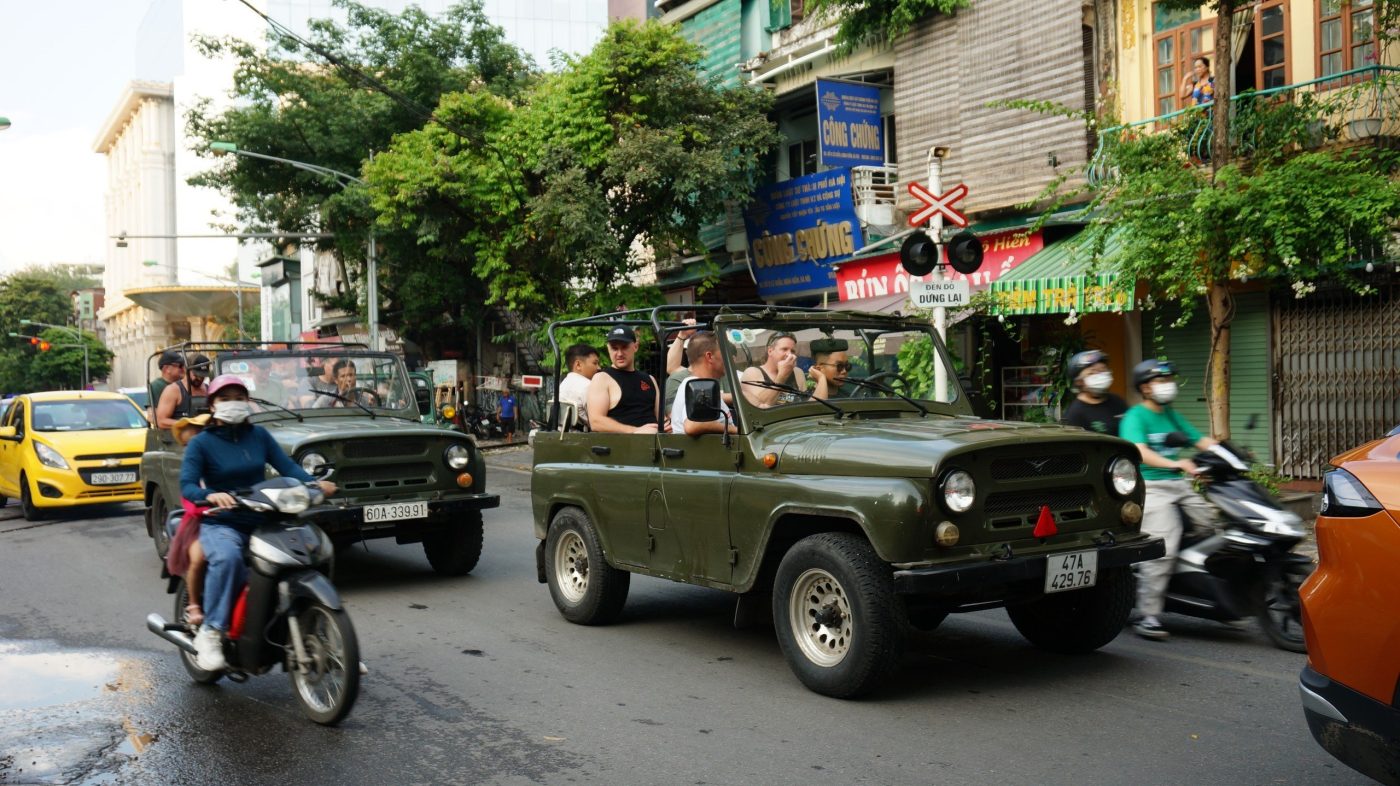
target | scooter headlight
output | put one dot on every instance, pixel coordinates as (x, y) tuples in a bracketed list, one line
[(293, 499), (1123, 476), (959, 491)]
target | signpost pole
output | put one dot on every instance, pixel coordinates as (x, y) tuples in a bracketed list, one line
[(940, 314)]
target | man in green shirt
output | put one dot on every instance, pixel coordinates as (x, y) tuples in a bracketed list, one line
[(1167, 478), (172, 369)]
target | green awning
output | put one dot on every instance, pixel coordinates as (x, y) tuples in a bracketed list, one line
[(1058, 280)]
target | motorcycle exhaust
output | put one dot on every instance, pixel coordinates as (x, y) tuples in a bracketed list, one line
[(172, 633)]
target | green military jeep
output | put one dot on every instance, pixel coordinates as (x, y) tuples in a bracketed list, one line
[(396, 476), (882, 507)]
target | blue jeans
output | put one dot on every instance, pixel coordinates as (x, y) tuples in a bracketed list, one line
[(224, 579)]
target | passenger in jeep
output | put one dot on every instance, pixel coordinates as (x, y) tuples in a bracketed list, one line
[(780, 368), (706, 362), (621, 399)]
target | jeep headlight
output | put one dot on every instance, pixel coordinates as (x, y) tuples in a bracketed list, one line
[(457, 456), (49, 457), (312, 462), (958, 491), (1123, 476)]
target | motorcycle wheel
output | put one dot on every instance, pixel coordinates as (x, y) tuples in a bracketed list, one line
[(1278, 608), (327, 684), (182, 599)]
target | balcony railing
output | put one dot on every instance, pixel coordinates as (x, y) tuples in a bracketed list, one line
[(1361, 105), (873, 189)]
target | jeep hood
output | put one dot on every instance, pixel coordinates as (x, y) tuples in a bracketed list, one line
[(906, 446), (291, 434)]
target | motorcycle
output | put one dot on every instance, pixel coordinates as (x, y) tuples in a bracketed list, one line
[(1247, 567), (288, 613), (482, 423)]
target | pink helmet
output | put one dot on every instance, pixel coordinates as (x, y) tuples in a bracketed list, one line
[(225, 380)]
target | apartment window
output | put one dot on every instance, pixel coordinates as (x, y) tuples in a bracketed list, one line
[(802, 158), (891, 146), (1176, 43), (1271, 45), (1346, 35)]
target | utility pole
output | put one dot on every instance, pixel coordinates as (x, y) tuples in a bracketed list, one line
[(936, 155)]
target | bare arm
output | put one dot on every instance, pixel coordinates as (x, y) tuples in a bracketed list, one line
[(600, 401), (758, 396), (694, 428), (673, 356), (165, 409)]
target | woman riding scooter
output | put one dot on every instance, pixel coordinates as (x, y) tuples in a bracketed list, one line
[(229, 454)]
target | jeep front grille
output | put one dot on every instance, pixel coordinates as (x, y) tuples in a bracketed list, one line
[(1022, 468), (385, 448), (1023, 504), (384, 476)]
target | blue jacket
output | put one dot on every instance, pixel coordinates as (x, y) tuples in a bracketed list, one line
[(232, 457)]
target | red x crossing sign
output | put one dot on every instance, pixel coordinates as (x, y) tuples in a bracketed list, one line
[(933, 205)]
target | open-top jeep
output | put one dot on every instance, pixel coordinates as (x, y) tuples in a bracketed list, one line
[(880, 507), (396, 476)]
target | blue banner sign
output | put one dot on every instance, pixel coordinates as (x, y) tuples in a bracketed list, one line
[(848, 115), (798, 229)]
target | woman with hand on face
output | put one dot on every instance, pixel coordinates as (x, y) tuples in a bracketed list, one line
[(230, 453), (1198, 87)]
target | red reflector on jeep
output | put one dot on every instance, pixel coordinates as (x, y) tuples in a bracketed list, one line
[(1045, 525)]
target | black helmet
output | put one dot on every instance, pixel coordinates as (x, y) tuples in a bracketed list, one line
[(1082, 360), (170, 357), (1148, 370)]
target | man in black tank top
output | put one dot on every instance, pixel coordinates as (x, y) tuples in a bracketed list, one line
[(621, 399)]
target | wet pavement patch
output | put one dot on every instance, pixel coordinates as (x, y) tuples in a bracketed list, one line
[(63, 714)]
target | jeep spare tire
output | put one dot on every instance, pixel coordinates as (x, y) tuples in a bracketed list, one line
[(838, 619)]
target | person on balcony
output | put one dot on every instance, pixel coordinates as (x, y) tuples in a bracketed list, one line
[(1198, 87)]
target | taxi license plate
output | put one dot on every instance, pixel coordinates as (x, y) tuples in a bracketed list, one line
[(112, 478), (1076, 570), (396, 511)]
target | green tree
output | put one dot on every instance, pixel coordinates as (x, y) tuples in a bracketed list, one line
[(628, 147), (60, 367), (333, 101), (32, 294), (879, 21)]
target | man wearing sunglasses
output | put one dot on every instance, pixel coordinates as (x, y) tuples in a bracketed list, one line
[(1167, 477), (830, 366)]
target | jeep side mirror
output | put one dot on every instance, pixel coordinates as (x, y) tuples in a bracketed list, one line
[(702, 399)]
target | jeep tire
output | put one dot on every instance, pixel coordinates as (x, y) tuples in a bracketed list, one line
[(454, 551), (1081, 620), (838, 619), (585, 588)]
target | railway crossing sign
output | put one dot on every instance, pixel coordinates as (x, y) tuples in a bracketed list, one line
[(935, 205)]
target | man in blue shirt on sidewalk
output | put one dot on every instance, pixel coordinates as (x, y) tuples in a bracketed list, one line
[(508, 415)]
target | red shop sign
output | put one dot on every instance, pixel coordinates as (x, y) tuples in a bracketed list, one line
[(883, 275)]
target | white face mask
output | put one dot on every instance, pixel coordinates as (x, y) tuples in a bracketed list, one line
[(1164, 392), (232, 411), (1098, 383)]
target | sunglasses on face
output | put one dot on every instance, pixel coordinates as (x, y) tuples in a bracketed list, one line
[(843, 366)]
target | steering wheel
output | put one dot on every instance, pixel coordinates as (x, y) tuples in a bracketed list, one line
[(359, 394), (886, 378)]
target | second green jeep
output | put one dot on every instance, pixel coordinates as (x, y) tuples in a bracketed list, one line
[(886, 505)]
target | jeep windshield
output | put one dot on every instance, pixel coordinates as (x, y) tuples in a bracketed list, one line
[(843, 363), (347, 382)]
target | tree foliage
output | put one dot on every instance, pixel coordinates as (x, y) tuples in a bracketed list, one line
[(42, 295), (879, 21)]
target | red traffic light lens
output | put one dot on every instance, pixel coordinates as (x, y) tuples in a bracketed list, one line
[(43, 346), (33, 342)]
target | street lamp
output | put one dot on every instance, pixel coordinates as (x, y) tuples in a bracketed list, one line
[(77, 332), (344, 180)]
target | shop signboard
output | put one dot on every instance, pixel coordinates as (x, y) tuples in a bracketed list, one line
[(883, 275), (798, 229), (848, 114), (1082, 294), (943, 293)]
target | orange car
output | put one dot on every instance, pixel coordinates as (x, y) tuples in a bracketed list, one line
[(1351, 614)]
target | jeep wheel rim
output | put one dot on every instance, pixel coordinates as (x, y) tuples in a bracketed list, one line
[(819, 613), (571, 566)]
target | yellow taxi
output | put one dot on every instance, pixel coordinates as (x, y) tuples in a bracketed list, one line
[(68, 448)]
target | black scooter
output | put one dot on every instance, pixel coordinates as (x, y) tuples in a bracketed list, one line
[(1247, 568), (289, 613)]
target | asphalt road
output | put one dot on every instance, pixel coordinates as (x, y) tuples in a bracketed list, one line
[(479, 680)]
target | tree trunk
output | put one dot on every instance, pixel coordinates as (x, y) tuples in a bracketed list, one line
[(1222, 313), (1224, 70)]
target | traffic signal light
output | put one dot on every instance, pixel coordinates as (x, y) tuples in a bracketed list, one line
[(918, 254), (33, 342), (44, 346), (965, 253)]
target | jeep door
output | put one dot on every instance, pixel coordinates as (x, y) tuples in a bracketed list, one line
[(620, 473), (161, 464), (692, 537)]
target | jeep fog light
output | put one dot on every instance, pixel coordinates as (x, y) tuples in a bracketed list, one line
[(958, 491), (946, 535), (1131, 513), (465, 480)]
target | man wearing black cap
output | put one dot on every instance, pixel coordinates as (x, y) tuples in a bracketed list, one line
[(172, 368), (177, 400), (621, 399)]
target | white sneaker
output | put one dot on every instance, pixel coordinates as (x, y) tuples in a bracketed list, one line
[(209, 649)]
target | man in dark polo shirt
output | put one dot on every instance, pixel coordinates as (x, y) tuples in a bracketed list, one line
[(621, 399), (1094, 408)]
